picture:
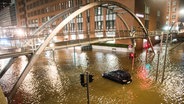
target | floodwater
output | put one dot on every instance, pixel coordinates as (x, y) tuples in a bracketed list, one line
[(55, 78)]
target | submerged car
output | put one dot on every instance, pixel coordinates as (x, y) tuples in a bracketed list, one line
[(119, 76)]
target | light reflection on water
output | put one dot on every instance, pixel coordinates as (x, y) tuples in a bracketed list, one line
[(8, 80), (56, 80)]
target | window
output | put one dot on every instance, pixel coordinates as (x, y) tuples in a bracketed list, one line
[(110, 24), (98, 11), (79, 2), (47, 9), (174, 9), (79, 26), (109, 11), (70, 3), (80, 15), (147, 10), (72, 26), (174, 3), (87, 1), (99, 25), (173, 16), (44, 19), (66, 28), (158, 13)]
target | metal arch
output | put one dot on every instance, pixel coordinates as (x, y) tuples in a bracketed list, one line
[(82, 9), (124, 22), (135, 17), (57, 29), (126, 25), (41, 28), (37, 31), (46, 42)]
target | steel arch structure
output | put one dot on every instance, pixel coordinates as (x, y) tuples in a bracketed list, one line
[(53, 19), (61, 25)]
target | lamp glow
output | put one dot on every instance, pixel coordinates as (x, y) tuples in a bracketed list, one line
[(181, 11), (20, 32)]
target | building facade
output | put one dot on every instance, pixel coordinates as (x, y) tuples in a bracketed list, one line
[(152, 13), (99, 21), (175, 14), (34, 13), (172, 11), (8, 21)]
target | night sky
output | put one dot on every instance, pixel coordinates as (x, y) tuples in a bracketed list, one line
[(4, 3)]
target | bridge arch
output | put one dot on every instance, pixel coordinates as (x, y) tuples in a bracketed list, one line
[(60, 26), (83, 9)]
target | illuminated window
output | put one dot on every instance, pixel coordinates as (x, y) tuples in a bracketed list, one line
[(158, 13), (174, 3), (98, 11), (174, 9), (79, 26), (99, 25), (110, 24), (173, 16), (147, 10)]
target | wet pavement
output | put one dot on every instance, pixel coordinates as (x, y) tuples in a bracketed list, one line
[(55, 77)]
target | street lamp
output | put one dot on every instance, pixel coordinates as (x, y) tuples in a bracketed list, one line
[(181, 18), (20, 32), (181, 12)]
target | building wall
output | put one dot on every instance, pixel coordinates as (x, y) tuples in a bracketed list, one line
[(33, 13), (8, 16), (173, 8), (5, 18), (36, 12), (153, 11)]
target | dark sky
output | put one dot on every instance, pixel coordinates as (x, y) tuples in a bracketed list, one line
[(4, 3), (1, 1)]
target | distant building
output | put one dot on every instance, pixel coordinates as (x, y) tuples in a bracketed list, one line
[(151, 12), (8, 16), (35, 13), (32, 14), (175, 13), (172, 11), (8, 20)]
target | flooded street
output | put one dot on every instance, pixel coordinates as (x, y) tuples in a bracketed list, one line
[(55, 78)]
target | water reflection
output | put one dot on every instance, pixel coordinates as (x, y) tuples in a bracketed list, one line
[(9, 79), (54, 79)]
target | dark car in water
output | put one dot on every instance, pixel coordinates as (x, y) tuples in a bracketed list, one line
[(119, 76)]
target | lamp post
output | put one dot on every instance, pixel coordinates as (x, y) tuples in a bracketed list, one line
[(170, 30)]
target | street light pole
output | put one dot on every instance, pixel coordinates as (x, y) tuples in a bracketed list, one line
[(166, 50), (165, 58)]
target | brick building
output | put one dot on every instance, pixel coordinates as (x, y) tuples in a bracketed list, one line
[(175, 13), (153, 13), (33, 13)]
